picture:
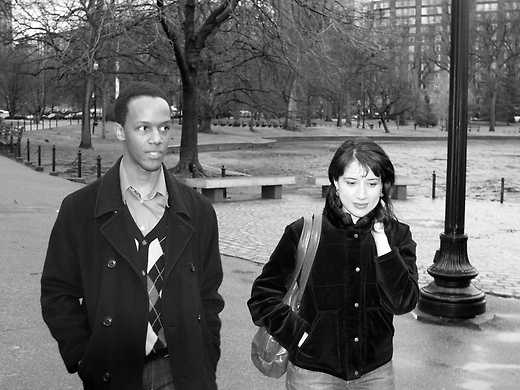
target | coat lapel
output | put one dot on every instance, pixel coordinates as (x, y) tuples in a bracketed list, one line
[(109, 203), (114, 228), (116, 233), (180, 229)]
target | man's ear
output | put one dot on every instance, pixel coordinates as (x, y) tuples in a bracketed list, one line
[(120, 131)]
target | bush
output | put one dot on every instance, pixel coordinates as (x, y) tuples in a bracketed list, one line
[(426, 118)]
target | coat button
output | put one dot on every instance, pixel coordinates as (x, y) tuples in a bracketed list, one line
[(357, 269), (356, 235), (356, 305), (356, 339), (144, 243), (111, 263), (106, 377), (143, 272), (356, 373), (192, 267), (198, 317), (107, 321)]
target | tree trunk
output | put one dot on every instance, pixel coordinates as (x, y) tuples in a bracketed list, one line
[(189, 164), (308, 112), (492, 110), (338, 121), (385, 125), (105, 98), (86, 140), (290, 118), (204, 89)]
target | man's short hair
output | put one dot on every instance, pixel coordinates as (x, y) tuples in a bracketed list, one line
[(131, 91)]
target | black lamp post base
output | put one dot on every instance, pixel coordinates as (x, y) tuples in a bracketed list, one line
[(450, 302)]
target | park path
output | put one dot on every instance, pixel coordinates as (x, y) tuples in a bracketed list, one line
[(481, 354)]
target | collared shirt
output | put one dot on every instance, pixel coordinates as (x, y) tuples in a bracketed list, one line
[(146, 209)]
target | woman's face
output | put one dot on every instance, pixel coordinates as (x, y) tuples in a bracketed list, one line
[(359, 190)]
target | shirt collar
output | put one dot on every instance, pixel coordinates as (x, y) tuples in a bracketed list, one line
[(159, 190)]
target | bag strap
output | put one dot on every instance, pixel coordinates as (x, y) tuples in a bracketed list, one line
[(303, 245), (310, 254), (301, 250)]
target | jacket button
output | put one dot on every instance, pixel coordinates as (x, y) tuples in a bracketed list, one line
[(192, 267), (357, 269), (143, 272), (356, 235), (356, 305), (198, 317), (111, 263), (356, 339), (356, 373), (107, 321), (106, 377), (144, 243)]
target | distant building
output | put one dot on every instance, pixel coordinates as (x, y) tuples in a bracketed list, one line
[(6, 21), (424, 28)]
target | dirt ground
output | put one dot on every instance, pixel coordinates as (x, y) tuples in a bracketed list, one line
[(487, 161)]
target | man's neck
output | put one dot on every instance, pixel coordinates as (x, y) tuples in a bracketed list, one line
[(142, 180)]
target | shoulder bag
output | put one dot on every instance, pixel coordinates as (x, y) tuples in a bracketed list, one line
[(266, 353)]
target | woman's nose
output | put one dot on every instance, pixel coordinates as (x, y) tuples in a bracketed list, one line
[(362, 191)]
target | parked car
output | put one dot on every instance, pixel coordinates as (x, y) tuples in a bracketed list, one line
[(74, 115), (53, 115), (4, 114)]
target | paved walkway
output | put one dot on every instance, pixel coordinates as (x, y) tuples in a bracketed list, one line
[(251, 230), (479, 355)]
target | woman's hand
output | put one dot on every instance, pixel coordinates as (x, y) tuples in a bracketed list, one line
[(380, 238)]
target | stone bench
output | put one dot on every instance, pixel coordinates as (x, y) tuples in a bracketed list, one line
[(10, 136), (215, 188), (399, 190)]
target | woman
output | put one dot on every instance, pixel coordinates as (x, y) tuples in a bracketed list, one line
[(364, 272)]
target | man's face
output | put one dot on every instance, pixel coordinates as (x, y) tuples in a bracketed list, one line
[(146, 132)]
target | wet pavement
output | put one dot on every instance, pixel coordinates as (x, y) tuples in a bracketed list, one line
[(250, 229), (480, 354)]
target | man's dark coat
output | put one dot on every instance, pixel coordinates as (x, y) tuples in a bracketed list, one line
[(94, 296)]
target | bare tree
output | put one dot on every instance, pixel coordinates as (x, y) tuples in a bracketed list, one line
[(497, 51), (187, 25)]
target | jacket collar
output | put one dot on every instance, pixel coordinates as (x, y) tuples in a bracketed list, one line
[(109, 198)]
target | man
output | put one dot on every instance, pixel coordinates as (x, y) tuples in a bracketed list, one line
[(131, 277)]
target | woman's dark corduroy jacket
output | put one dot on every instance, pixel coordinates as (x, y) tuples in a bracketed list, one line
[(350, 299)]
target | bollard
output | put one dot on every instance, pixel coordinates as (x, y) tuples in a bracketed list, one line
[(28, 151), (433, 184), (223, 174), (11, 143), (502, 190), (39, 155), (53, 158), (98, 160), (79, 163), (19, 147)]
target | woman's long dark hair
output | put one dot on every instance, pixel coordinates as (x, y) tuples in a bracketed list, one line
[(371, 156)]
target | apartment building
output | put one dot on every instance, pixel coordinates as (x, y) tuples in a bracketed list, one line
[(424, 27), (5, 22)]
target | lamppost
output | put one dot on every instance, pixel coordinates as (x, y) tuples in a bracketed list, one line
[(451, 293)]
